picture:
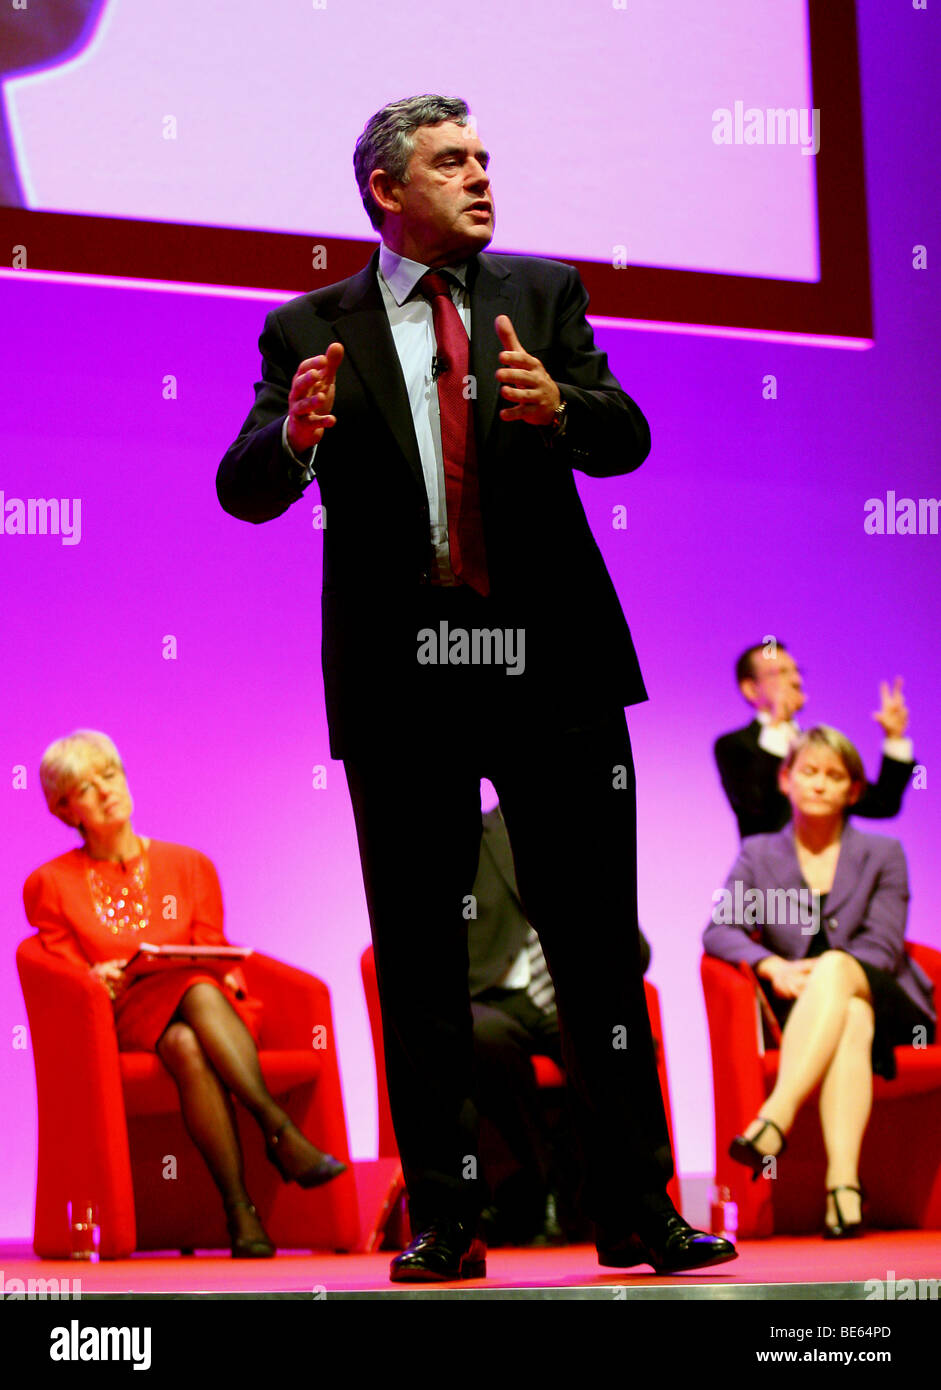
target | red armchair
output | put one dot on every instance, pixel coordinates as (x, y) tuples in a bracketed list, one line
[(905, 1120), (110, 1123), (547, 1073)]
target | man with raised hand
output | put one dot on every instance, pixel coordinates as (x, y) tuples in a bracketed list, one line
[(749, 759)]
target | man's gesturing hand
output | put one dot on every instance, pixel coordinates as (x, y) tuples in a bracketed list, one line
[(311, 399), (524, 380)]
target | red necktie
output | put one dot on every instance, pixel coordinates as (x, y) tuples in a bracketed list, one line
[(461, 481)]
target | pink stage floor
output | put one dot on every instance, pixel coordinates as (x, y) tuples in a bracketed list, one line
[(787, 1268)]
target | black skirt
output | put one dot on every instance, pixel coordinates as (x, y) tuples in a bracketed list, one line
[(896, 1017)]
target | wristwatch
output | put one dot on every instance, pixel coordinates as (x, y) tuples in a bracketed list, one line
[(559, 419)]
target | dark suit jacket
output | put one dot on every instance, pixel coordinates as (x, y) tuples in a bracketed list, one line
[(750, 778), (498, 933), (865, 909), (546, 572)]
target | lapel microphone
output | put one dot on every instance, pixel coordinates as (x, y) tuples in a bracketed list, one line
[(439, 365)]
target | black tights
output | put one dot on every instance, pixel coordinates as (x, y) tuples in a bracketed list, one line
[(212, 1056)]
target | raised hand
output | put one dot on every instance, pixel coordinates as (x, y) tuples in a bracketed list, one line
[(893, 716), (311, 399), (524, 380)]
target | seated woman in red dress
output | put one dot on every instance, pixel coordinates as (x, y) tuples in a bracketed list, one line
[(95, 905)]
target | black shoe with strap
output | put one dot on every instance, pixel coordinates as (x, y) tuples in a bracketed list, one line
[(746, 1151), (445, 1250), (246, 1246), (300, 1161), (844, 1230)]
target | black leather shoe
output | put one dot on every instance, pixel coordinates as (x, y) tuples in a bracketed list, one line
[(540, 1226), (446, 1250), (550, 1232), (669, 1244)]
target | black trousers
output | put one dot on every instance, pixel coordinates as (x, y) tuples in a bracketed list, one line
[(568, 798)]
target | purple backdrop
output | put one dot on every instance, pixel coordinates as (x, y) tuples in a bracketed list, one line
[(746, 520)]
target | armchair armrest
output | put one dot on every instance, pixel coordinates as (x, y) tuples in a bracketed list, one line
[(765, 1011), (929, 958), (83, 1144), (738, 1078), (295, 1003), (75, 1047)]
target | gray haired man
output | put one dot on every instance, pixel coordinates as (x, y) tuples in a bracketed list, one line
[(442, 399)]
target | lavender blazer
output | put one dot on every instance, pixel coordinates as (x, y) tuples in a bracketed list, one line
[(865, 910)]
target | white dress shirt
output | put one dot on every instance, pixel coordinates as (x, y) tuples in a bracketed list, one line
[(412, 324), (777, 739)]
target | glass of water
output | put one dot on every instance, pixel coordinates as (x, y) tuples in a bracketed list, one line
[(84, 1230)]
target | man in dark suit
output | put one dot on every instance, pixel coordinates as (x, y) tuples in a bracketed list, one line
[(749, 759), (470, 629)]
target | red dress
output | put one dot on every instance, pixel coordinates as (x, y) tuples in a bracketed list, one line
[(89, 910)]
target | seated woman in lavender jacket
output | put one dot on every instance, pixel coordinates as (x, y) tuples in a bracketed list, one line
[(835, 969)]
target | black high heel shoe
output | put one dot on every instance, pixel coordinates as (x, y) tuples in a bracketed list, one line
[(323, 1169), (744, 1150), (844, 1230), (247, 1247)]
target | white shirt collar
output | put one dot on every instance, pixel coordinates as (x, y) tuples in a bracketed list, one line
[(763, 716), (402, 275)]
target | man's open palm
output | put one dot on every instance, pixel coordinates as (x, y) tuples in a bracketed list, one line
[(311, 399)]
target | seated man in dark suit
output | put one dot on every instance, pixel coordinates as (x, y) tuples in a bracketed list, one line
[(749, 759), (515, 1018)]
